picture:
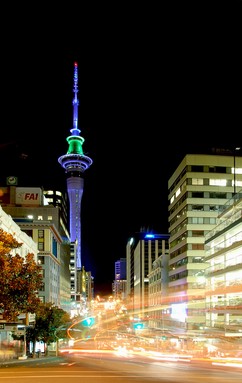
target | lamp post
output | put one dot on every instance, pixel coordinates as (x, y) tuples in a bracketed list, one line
[(238, 148)]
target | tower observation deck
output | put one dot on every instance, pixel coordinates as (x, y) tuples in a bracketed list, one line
[(75, 162)]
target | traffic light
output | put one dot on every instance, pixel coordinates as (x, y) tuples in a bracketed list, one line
[(138, 325), (88, 322)]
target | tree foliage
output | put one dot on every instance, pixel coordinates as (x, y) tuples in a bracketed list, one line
[(48, 322), (20, 279)]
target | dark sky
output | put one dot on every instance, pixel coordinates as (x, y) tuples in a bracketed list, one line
[(155, 83)]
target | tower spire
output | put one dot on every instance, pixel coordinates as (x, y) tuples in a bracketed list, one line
[(75, 162), (75, 103)]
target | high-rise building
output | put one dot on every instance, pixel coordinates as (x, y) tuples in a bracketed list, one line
[(75, 162), (198, 189), (223, 252), (141, 251), (120, 269), (119, 283)]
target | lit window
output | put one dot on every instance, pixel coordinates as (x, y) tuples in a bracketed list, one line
[(178, 192), (217, 182), (197, 181)]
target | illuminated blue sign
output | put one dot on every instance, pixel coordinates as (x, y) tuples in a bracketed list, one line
[(88, 322)]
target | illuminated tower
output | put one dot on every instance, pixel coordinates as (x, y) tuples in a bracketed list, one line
[(75, 163)]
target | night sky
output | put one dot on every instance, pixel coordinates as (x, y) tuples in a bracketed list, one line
[(155, 84)]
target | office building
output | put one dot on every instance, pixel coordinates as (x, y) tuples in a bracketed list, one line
[(223, 254), (159, 309), (198, 189), (119, 283), (142, 250), (28, 246), (43, 223), (8, 225)]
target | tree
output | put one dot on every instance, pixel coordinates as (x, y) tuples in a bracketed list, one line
[(48, 323), (20, 279)]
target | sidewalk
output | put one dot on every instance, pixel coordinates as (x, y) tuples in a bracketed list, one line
[(16, 361)]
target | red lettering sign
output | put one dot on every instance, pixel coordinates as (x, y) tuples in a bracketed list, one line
[(31, 196)]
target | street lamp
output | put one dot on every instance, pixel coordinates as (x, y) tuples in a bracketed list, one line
[(238, 148)]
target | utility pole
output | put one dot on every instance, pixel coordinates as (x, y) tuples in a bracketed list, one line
[(26, 323)]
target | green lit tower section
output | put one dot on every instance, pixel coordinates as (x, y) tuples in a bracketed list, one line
[(75, 162)]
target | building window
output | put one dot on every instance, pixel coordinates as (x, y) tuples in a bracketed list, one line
[(217, 182), (217, 169), (197, 208), (217, 195), (198, 233), (214, 208), (197, 168), (197, 181), (197, 195), (42, 299), (41, 260), (197, 246), (42, 272), (40, 240), (196, 220), (40, 246)]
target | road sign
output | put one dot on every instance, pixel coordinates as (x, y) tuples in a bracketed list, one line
[(88, 322)]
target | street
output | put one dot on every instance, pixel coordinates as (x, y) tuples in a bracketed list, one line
[(111, 368)]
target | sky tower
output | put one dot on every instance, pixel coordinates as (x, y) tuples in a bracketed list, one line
[(75, 163)]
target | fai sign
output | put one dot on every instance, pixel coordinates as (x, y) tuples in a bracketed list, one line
[(28, 196)]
